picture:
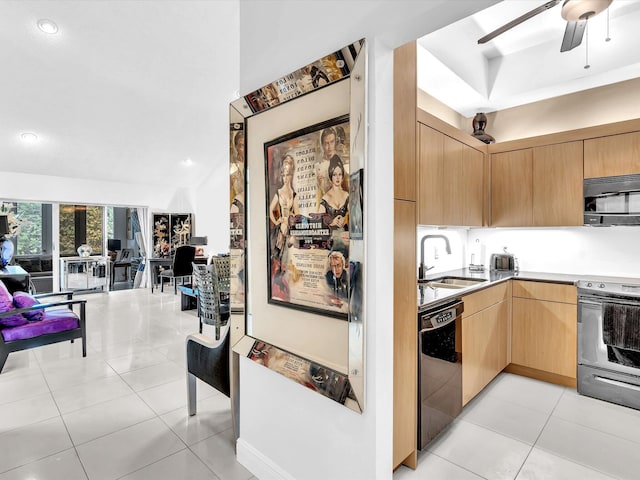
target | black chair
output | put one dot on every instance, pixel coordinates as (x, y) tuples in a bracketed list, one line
[(206, 359), (181, 267)]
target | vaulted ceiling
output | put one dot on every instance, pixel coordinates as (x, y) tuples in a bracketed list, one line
[(524, 64)]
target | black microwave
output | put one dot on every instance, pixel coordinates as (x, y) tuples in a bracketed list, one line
[(612, 200)]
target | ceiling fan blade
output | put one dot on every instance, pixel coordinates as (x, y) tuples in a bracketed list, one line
[(519, 20), (573, 35)]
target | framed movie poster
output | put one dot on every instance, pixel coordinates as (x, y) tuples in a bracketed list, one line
[(307, 190)]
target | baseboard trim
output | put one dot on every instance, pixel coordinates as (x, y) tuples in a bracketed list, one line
[(259, 465), (541, 375)]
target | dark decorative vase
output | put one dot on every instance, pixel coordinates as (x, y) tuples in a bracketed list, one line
[(6, 252), (479, 124)]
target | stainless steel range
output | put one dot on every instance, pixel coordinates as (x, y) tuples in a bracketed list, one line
[(609, 342)]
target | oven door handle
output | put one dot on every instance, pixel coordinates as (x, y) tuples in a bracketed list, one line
[(594, 303), (600, 300), (617, 383)]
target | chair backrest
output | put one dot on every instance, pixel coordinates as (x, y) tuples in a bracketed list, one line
[(206, 281), (222, 264), (183, 260)]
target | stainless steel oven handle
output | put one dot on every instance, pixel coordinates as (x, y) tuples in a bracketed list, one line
[(617, 383), (589, 302), (598, 301)]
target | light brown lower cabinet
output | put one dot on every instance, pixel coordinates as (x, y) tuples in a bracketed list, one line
[(485, 338), (544, 328)]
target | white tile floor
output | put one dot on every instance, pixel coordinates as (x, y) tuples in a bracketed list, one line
[(523, 429), (121, 412)]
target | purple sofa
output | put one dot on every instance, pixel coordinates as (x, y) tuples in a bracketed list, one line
[(27, 323)]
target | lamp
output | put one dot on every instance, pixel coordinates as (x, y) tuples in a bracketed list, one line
[(198, 241)]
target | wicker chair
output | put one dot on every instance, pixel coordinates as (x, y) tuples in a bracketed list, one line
[(206, 359)]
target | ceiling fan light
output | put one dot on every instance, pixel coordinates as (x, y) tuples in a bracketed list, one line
[(576, 10)]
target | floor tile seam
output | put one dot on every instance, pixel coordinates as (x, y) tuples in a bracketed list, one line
[(453, 463), (3, 431), (506, 398), (152, 463), (199, 440), (72, 385), (502, 434), (216, 474), (81, 444), (28, 397), (575, 462), (49, 454), (594, 429), (2, 472), (553, 414), (149, 387), (119, 397), (135, 369)]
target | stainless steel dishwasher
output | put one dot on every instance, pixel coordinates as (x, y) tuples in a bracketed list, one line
[(439, 368)]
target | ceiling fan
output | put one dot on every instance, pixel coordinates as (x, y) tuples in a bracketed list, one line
[(575, 12)]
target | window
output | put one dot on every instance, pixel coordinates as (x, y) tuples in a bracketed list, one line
[(30, 240), (80, 224), (34, 234)]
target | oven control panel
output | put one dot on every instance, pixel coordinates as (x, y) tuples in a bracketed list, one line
[(610, 288)]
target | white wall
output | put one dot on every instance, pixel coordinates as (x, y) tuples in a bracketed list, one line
[(287, 431), (596, 106), (606, 251), (579, 250), (45, 188)]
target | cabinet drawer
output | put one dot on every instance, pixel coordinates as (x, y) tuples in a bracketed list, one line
[(477, 301), (552, 292)]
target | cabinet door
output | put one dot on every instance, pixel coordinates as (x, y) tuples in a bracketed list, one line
[(612, 155), (511, 188), (484, 348), (452, 187), (472, 186), (557, 185), (544, 336), (431, 161)]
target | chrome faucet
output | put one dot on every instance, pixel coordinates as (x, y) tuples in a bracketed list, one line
[(422, 271)]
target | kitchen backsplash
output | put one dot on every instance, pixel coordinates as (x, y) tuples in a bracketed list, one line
[(611, 251)]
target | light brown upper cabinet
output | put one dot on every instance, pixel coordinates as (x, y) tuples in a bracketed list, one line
[(557, 185), (539, 186), (612, 155), (450, 180), (511, 188)]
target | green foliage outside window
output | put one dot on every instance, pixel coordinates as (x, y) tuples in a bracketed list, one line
[(80, 218), (29, 242)]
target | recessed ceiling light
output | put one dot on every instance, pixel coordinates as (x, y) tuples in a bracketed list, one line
[(29, 137), (48, 26), (187, 163)]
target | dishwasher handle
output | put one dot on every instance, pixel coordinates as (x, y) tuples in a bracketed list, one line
[(440, 317)]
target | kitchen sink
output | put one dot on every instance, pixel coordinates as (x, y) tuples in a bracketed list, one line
[(453, 282)]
